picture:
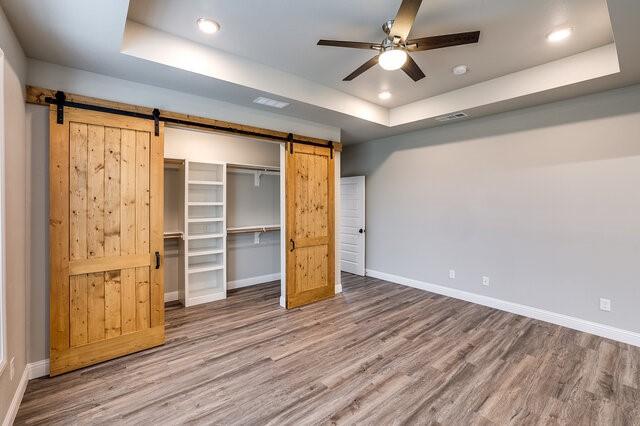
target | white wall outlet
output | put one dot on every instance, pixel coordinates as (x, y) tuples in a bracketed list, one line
[(605, 305), (12, 368), (452, 274), (485, 281)]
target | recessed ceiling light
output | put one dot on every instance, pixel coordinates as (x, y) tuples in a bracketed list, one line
[(559, 35), (384, 95), (460, 69), (208, 26)]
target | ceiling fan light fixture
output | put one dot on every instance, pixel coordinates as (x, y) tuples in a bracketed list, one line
[(384, 95), (392, 59), (208, 26)]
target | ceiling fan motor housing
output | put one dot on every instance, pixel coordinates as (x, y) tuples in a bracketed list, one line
[(386, 27)]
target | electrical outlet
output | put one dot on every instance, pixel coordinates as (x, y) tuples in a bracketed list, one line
[(452, 274), (485, 281), (605, 305), (12, 368)]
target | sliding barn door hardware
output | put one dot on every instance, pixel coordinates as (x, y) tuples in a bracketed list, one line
[(290, 142), (61, 101), (156, 120)]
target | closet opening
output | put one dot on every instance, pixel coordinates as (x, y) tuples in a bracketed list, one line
[(222, 214)]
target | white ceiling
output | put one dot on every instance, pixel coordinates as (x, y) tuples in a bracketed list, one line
[(283, 35), (268, 49)]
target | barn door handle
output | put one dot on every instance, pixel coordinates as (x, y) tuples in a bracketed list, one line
[(293, 245), (157, 260)]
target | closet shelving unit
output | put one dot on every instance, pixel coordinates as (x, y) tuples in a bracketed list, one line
[(205, 232)]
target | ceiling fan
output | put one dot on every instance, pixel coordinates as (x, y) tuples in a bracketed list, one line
[(393, 51)]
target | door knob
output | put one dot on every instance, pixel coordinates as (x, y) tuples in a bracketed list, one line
[(361, 230)]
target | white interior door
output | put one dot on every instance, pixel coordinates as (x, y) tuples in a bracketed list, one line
[(352, 225)]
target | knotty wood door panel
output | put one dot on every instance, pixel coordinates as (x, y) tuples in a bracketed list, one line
[(106, 183), (310, 225)]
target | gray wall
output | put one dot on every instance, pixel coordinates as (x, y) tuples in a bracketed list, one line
[(545, 201), (248, 205), (38, 300), (15, 210)]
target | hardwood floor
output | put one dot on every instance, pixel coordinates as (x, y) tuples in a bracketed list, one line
[(379, 353)]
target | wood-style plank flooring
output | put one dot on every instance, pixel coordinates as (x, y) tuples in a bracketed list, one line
[(379, 353)]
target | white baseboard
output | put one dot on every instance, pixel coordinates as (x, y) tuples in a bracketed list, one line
[(574, 323), (172, 296), (338, 288), (253, 281), (38, 369), (17, 399)]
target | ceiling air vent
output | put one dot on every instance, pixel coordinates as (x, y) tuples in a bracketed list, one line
[(270, 102), (454, 116)]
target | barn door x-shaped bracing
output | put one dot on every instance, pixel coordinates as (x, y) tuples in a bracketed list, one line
[(106, 242)]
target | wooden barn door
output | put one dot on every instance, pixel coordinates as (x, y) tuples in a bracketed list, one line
[(106, 242), (310, 225)]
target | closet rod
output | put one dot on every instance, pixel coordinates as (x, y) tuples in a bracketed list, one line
[(60, 99), (252, 229), (252, 167), (174, 234)]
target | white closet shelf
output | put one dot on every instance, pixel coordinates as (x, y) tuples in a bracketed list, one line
[(205, 236), (205, 219), (205, 182), (253, 228), (205, 203), (205, 267), (206, 251)]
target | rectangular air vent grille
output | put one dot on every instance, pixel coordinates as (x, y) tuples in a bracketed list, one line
[(270, 102), (454, 116)]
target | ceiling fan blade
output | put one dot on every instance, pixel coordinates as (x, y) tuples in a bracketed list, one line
[(404, 18), (351, 44), (412, 69), (438, 42), (362, 68)]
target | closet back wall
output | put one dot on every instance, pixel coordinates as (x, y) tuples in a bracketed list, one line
[(216, 147), (250, 262)]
